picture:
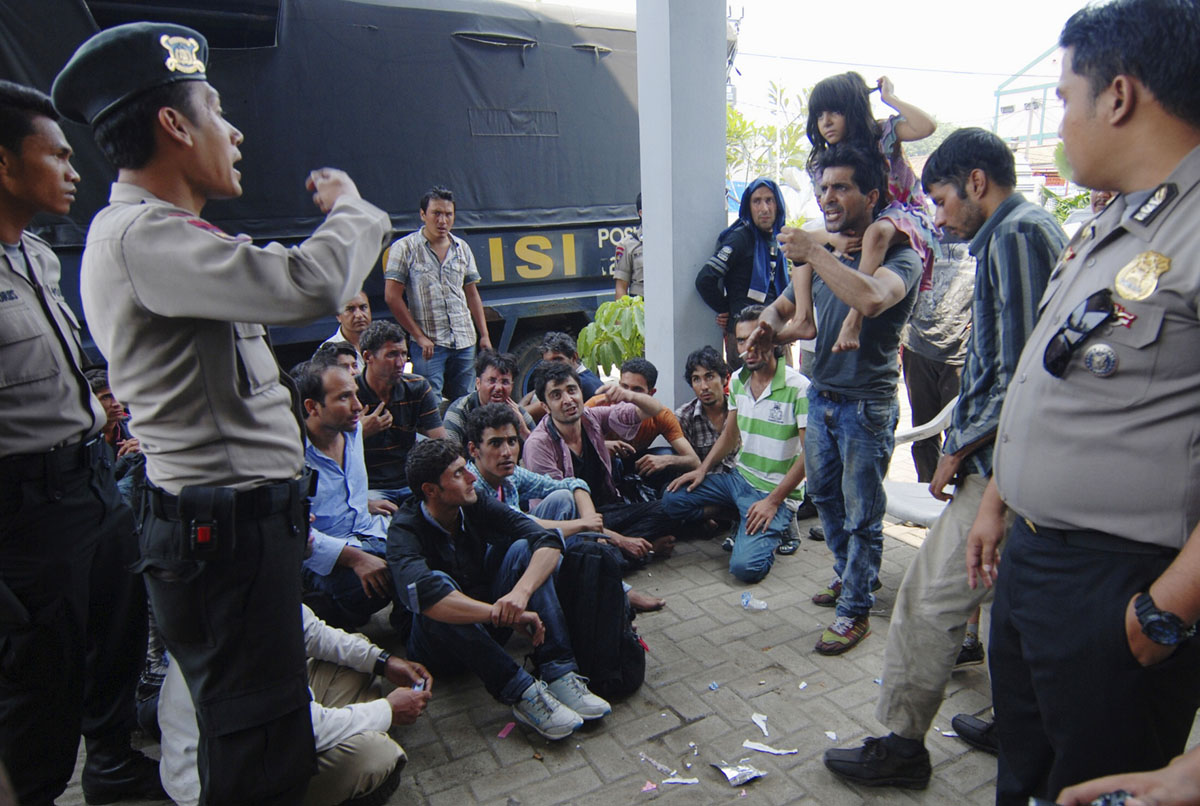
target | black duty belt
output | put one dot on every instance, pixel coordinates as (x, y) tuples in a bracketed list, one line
[(1098, 541), (258, 502), (65, 459)]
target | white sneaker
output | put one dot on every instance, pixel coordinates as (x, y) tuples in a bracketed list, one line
[(539, 709), (572, 691)]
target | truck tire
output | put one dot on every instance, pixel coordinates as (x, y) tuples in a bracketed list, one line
[(528, 353)]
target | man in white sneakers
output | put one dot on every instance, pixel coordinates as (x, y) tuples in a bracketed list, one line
[(471, 570)]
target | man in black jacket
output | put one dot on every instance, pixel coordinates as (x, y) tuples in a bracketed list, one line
[(748, 267), (471, 569)]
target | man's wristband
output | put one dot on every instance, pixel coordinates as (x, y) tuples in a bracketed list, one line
[(381, 663)]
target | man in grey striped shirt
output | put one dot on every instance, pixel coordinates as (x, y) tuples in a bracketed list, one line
[(971, 179)]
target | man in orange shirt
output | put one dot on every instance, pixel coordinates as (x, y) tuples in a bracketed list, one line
[(655, 465)]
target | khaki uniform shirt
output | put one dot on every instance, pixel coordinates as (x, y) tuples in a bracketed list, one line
[(45, 401), (1114, 445), (174, 304), (628, 266)]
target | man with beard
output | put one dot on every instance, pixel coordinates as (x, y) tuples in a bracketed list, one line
[(852, 400)]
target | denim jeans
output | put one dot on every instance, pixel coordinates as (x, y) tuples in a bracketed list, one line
[(447, 648), (352, 606), (450, 372), (557, 506), (752, 554), (847, 449)]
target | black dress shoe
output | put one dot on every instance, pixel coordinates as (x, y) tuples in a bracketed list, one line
[(976, 732), (878, 764), (816, 533), (108, 779)]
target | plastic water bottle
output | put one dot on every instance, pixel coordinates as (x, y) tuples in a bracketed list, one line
[(751, 603)]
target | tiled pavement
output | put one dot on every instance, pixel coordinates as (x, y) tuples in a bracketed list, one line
[(759, 660)]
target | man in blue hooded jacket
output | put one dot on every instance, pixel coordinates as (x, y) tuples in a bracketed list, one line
[(748, 267)]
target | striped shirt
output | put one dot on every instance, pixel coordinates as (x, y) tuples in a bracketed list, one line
[(1015, 250), (413, 409), (771, 427), (434, 289)]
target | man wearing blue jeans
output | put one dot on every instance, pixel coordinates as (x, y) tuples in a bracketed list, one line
[(471, 570), (768, 415), (564, 504), (431, 289), (345, 578), (853, 409)]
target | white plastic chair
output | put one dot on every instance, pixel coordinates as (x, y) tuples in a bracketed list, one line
[(909, 501)]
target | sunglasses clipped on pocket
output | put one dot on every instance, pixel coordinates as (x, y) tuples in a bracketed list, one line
[(1088, 317)]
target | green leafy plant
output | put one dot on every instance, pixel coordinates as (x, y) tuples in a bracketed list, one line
[(617, 333), (1063, 206)]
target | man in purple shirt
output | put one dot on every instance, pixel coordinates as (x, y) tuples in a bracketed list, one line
[(570, 442)]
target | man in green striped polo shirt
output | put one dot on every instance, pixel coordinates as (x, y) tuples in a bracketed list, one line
[(770, 406)]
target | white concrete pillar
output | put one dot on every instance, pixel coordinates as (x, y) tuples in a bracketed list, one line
[(681, 106)]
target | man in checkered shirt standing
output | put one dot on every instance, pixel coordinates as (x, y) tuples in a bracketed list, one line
[(431, 290)]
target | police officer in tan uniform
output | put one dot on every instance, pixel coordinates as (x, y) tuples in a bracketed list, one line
[(65, 535), (179, 308), (627, 268), (1095, 669)]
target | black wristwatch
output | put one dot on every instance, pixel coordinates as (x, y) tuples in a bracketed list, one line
[(381, 663), (1160, 626)]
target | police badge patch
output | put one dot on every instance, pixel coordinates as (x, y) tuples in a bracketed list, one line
[(181, 54)]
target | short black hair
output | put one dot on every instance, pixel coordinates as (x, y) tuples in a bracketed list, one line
[(427, 461), (19, 105), (707, 357), (1155, 41), (328, 352), (379, 333), (504, 362), (97, 378), (438, 192), (639, 202), (641, 366), (964, 151), (493, 415), (870, 169), (751, 313), (126, 135), (555, 341), (310, 380), (552, 372)]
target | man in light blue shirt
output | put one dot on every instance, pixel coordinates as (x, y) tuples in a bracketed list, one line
[(346, 578), (564, 504)]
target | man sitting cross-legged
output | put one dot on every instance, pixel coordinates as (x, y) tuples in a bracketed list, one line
[(565, 504), (570, 442), (770, 410), (470, 570), (346, 578)]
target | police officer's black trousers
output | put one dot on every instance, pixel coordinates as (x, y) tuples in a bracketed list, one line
[(72, 616), (231, 619), (1071, 701)]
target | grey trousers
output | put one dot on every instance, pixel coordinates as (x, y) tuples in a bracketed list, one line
[(930, 619)]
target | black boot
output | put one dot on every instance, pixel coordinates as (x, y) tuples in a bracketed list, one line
[(114, 771)]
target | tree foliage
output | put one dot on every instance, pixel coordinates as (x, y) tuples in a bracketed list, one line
[(756, 149), (616, 334), (1063, 206)]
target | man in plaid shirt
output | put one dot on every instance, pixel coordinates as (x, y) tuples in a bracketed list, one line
[(431, 290)]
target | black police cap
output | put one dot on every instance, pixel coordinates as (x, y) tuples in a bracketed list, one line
[(118, 64)]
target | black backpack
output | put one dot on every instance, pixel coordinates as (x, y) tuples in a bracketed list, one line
[(599, 620)]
